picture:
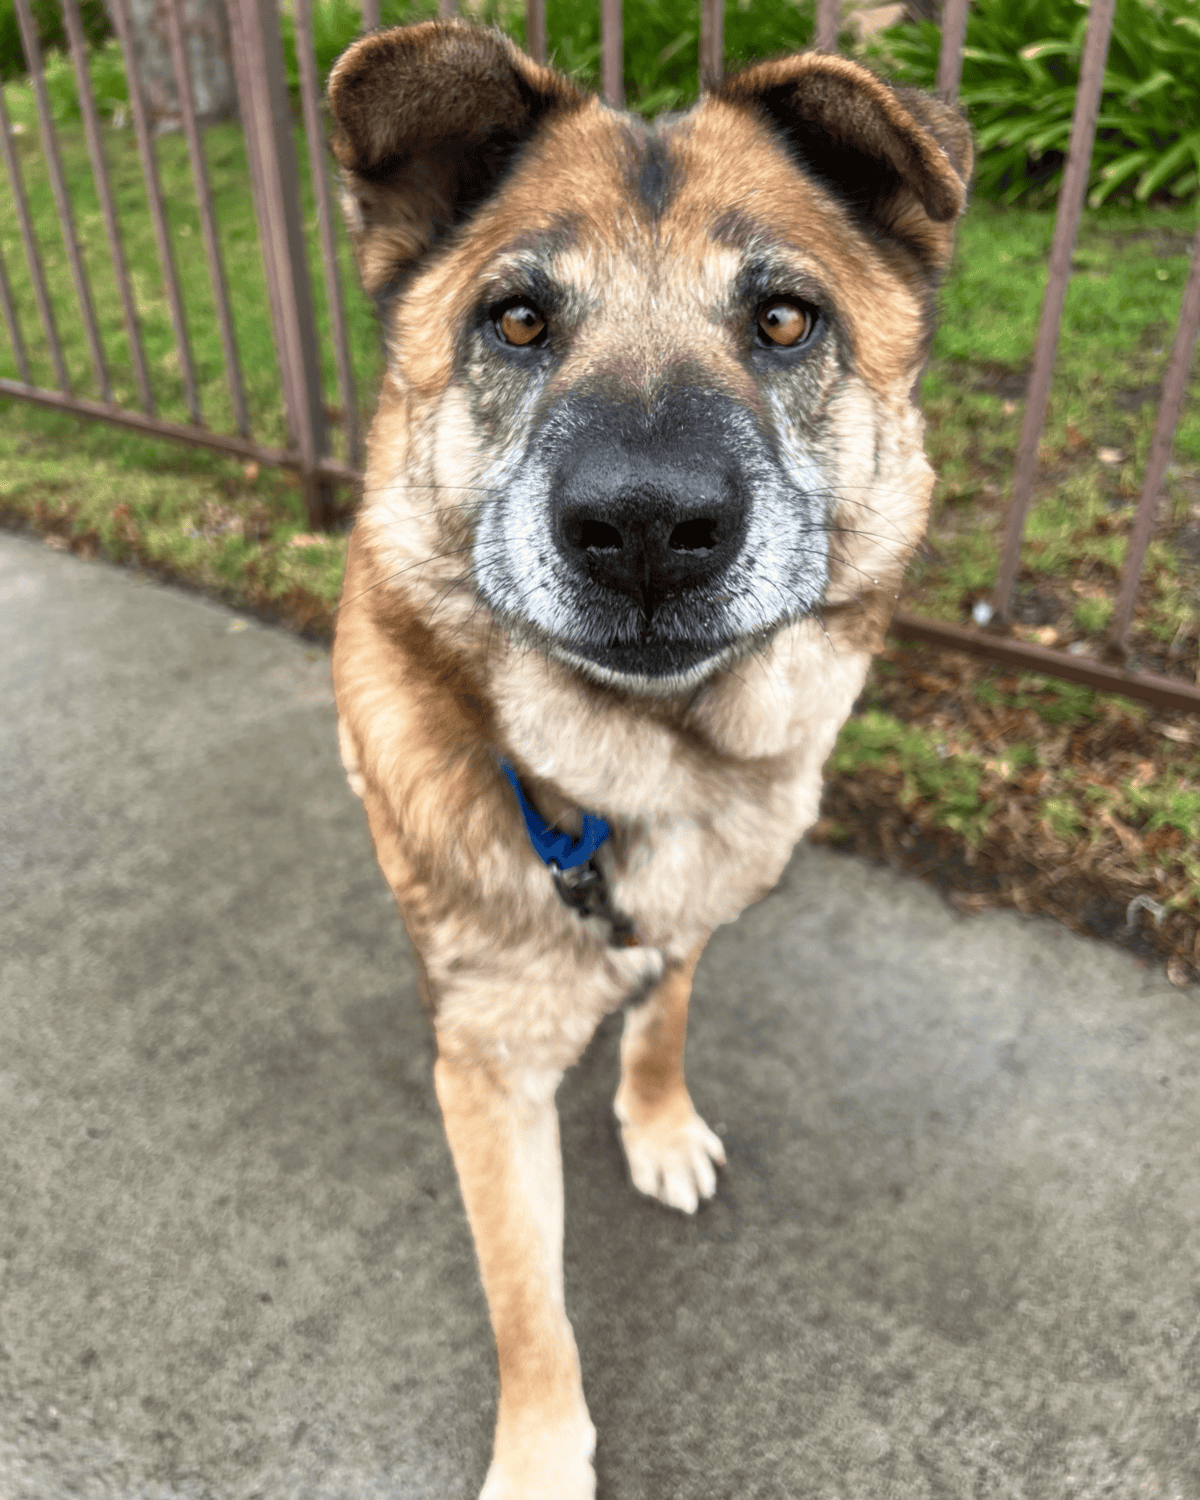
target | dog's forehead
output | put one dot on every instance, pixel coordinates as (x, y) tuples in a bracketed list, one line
[(623, 212), (649, 230)]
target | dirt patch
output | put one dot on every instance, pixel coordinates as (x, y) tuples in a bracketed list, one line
[(1054, 845)]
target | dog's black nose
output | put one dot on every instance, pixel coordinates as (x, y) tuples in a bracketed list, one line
[(649, 514)]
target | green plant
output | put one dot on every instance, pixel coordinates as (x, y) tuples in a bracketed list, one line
[(1092, 615), (1062, 818), (52, 34), (1020, 73), (662, 42), (661, 38), (950, 785), (110, 89)]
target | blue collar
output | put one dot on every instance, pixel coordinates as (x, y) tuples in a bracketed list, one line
[(552, 845)]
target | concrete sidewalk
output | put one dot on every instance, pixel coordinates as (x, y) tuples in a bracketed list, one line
[(956, 1252)]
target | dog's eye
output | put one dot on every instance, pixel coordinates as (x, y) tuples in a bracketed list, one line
[(520, 324), (785, 324)]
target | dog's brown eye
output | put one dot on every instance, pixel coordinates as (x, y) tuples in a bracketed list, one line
[(785, 323), (521, 324)]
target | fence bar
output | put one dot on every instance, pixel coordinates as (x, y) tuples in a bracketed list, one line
[(66, 219), (95, 145), (267, 120), (212, 245), (535, 29), (826, 36), (257, 189), (370, 15), (32, 254), (331, 469), (10, 319), (1066, 228), (314, 130), (1148, 687), (712, 42), (119, 11), (954, 34), (612, 54), (1169, 407)]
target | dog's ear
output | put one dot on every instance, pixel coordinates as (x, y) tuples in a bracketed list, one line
[(899, 157), (429, 117)]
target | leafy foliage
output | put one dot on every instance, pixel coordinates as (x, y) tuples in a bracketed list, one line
[(52, 34), (661, 37), (1020, 73), (662, 43)]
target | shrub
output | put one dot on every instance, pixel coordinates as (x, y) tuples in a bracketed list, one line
[(662, 38), (52, 34), (662, 43), (1020, 72)]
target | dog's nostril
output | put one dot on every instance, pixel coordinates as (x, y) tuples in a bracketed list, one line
[(599, 536), (693, 536)]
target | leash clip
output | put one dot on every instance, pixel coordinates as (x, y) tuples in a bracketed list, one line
[(584, 889)]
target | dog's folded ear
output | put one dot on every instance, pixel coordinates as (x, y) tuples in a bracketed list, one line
[(429, 117), (900, 158)]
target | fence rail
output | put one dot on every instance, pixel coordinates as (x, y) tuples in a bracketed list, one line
[(265, 111)]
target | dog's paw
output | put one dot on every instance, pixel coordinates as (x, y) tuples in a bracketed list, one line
[(546, 1466), (501, 1484), (673, 1156)]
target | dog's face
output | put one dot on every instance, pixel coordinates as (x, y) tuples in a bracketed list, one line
[(658, 385)]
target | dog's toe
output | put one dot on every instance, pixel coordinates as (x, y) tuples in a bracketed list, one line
[(673, 1158), (543, 1462)]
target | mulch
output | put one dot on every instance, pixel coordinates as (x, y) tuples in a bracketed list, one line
[(1113, 880)]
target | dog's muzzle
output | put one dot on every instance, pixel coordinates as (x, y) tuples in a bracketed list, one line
[(648, 511)]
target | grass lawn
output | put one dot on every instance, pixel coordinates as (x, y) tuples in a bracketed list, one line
[(1008, 789)]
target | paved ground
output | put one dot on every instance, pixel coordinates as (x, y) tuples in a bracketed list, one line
[(955, 1254)]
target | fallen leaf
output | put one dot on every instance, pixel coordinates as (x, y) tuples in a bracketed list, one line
[(251, 471), (236, 625), (1109, 455), (306, 539), (1009, 408), (1176, 732), (1129, 840)]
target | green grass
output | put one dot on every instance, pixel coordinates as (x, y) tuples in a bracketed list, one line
[(948, 785), (1122, 304), (1094, 783), (226, 163)]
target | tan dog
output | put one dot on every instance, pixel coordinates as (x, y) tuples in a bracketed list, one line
[(643, 480)]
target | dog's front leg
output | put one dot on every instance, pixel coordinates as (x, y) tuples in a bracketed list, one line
[(503, 1133), (672, 1153)]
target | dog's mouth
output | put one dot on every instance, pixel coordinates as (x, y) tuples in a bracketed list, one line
[(664, 665), (657, 658), (677, 642)]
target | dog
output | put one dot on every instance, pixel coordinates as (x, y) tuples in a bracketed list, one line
[(642, 482)]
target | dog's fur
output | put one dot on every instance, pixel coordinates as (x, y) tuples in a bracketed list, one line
[(689, 694)]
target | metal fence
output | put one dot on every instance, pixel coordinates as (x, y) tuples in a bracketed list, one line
[(265, 112)]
